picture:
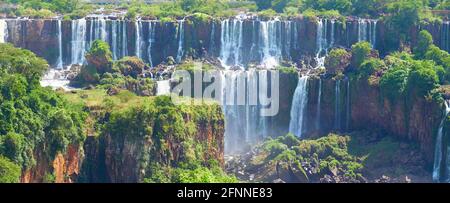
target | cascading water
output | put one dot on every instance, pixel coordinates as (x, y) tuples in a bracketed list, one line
[(270, 42), (288, 38), (3, 31), (438, 153), (322, 44), (78, 41), (298, 107), (367, 31), (59, 63), (231, 42), (124, 39), (138, 43), (180, 40), (347, 106), (337, 104), (244, 124), (151, 40), (445, 36), (318, 105)]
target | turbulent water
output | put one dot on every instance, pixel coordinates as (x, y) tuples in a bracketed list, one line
[(438, 153), (298, 107), (241, 95)]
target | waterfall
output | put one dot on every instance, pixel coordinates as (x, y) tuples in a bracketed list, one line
[(114, 39), (251, 102), (124, 39), (151, 40), (337, 103), (180, 40), (295, 37), (362, 30), (347, 107), (298, 106), (332, 34), (367, 31), (78, 41), (163, 87), (439, 144), (288, 37), (138, 43), (322, 45), (3, 31), (244, 124), (212, 43), (318, 105), (59, 64), (270, 43), (373, 34), (231, 42), (444, 35)]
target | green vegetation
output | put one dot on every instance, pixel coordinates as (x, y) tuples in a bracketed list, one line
[(166, 124), (360, 52), (33, 118), (9, 171), (400, 14), (325, 155), (126, 73), (337, 61), (48, 8)]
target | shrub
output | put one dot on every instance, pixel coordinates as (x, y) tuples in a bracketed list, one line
[(360, 52), (422, 78), (425, 40), (370, 66), (393, 82), (337, 61)]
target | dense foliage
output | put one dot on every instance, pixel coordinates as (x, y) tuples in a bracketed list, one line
[(401, 14), (168, 125), (31, 117), (324, 156)]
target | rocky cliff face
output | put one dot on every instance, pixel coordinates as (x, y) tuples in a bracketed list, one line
[(117, 156), (64, 168), (415, 120)]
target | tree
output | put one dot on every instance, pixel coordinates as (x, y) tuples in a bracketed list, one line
[(14, 60), (370, 66), (9, 172), (263, 4), (360, 52), (425, 40), (404, 14), (422, 78)]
